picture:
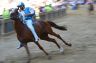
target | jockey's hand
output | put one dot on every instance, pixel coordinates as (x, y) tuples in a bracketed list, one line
[(27, 14)]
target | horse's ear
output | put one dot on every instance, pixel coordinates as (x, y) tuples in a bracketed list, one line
[(14, 14)]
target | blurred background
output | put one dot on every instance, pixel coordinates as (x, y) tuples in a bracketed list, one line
[(79, 16)]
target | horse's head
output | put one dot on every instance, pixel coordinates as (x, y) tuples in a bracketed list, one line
[(14, 15)]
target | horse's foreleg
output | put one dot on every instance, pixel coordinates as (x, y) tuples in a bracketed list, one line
[(58, 36), (27, 50)]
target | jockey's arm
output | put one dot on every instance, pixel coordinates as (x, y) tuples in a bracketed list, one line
[(32, 12)]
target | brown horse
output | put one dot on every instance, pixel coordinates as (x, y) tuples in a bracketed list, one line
[(43, 28)]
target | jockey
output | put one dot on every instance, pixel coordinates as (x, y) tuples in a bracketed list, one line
[(26, 14)]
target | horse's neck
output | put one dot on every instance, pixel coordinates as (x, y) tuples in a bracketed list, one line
[(19, 26)]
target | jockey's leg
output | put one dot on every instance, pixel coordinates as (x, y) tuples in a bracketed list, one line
[(30, 26)]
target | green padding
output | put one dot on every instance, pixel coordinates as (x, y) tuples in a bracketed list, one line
[(48, 8), (6, 14)]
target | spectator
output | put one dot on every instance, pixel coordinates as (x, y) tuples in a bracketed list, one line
[(90, 8)]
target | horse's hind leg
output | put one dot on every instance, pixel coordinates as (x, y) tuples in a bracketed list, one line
[(41, 48), (53, 40), (58, 36), (49, 57)]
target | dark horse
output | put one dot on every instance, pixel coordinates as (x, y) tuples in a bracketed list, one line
[(43, 28)]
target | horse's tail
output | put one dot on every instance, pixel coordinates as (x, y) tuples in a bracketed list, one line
[(57, 26)]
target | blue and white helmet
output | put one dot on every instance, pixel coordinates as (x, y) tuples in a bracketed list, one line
[(20, 4)]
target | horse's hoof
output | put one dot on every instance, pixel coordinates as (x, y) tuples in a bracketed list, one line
[(49, 57), (61, 50), (70, 44)]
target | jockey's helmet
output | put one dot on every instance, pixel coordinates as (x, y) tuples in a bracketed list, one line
[(20, 4)]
